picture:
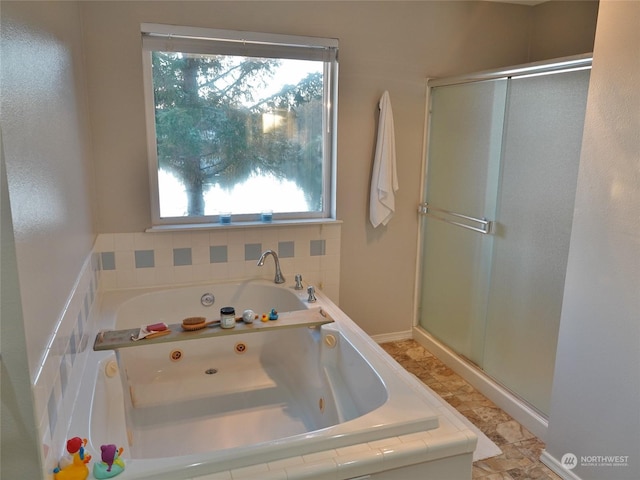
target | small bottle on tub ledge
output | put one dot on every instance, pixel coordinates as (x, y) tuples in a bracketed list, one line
[(227, 317)]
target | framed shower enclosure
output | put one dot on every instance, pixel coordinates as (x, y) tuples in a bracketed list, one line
[(502, 155)]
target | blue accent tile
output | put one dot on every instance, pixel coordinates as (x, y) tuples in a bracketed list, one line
[(52, 410), (181, 256), (286, 249), (108, 260), (64, 375), (145, 259), (80, 329), (252, 251), (73, 349), (87, 306), (317, 247), (218, 254)]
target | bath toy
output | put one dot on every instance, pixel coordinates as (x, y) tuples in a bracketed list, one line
[(73, 466), (73, 445), (273, 314), (265, 317), (248, 316), (111, 464)]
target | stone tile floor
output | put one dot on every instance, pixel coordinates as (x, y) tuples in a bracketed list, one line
[(520, 448)]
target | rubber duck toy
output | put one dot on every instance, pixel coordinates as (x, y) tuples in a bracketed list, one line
[(273, 314), (74, 465), (111, 464)]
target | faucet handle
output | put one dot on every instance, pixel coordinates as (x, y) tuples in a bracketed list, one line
[(312, 294), (298, 282)]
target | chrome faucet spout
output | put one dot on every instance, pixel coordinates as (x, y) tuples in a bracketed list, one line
[(279, 278)]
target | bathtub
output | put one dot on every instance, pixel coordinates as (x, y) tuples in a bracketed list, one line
[(301, 402)]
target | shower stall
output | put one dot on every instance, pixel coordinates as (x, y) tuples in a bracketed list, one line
[(502, 157)]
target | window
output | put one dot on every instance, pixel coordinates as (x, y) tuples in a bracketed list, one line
[(239, 123)]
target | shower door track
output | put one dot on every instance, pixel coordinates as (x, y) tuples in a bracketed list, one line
[(564, 64)]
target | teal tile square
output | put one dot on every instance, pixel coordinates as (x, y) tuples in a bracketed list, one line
[(317, 247), (181, 256), (144, 258), (286, 249), (218, 254), (108, 260), (252, 251)]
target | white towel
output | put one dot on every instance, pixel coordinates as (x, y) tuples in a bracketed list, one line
[(384, 179)]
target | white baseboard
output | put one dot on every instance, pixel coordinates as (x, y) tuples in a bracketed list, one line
[(503, 398), (555, 465), (392, 337)]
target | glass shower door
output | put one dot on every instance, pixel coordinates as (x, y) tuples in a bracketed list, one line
[(506, 149), (541, 154), (466, 127)]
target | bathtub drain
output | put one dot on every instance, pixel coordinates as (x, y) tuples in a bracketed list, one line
[(211, 371)]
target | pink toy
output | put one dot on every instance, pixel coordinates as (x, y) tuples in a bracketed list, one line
[(111, 464), (108, 455)]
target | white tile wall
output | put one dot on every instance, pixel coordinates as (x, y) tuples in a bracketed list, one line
[(56, 383), (320, 270), (356, 461)]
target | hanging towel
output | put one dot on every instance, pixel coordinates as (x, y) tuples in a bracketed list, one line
[(384, 179)]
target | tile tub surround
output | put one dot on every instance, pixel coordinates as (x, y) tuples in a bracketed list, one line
[(152, 259), (56, 382), (521, 450), (442, 452), (179, 257)]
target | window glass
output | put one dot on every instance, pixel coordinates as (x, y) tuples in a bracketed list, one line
[(239, 127)]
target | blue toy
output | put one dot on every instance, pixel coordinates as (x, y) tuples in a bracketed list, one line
[(273, 315)]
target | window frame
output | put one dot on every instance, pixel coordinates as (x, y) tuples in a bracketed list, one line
[(208, 40)]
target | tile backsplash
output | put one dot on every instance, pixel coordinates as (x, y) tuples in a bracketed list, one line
[(128, 260), (167, 258)]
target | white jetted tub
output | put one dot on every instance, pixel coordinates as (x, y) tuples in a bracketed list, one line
[(260, 402)]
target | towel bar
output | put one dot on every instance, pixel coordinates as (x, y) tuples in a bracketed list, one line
[(485, 227)]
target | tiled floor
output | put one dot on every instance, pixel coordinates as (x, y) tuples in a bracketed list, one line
[(521, 449)]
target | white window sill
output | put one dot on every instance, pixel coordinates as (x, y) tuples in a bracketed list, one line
[(177, 227)]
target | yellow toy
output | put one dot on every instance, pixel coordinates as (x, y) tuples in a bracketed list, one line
[(74, 465)]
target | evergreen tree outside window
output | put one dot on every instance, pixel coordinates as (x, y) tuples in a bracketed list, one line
[(240, 123)]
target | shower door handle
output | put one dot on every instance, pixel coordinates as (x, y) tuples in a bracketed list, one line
[(483, 226)]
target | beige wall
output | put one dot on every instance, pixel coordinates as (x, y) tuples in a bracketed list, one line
[(19, 445), (383, 46), (46, 146), (562, 28), (49, 181), (602, 302)]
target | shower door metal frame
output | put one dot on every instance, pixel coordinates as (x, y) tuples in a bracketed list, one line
[(564, 64)]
